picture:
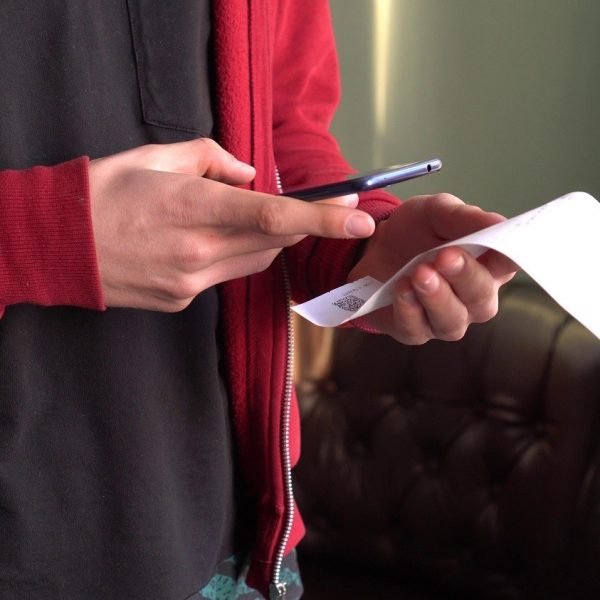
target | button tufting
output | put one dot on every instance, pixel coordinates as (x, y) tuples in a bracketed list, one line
[(473, 481)]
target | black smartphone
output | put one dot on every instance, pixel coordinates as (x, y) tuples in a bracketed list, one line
[(369, 181)]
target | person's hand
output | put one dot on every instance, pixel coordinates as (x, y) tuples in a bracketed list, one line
[(440, 299), (168, 223)]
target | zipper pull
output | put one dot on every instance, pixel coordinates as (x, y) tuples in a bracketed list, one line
[(277, 591)]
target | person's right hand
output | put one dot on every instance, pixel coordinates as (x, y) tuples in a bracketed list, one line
[(168, 223)]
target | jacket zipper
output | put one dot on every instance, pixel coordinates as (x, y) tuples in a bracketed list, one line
[(277, 589)]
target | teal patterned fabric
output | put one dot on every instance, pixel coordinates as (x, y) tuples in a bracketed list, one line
[(229, 581)]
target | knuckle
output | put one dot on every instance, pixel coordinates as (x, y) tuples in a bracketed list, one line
[(270, 218), (412, 339), (410, 324), (181, 288), (453, 335), (446, 197), (191, 256), (452, 332), (485, 312), (442, 199), (483, 307), (412, 336)]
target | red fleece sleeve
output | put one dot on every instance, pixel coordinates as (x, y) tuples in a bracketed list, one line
[(305, 97), (47, 252)]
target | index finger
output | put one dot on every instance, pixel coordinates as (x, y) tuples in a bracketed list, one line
[(285, 216)]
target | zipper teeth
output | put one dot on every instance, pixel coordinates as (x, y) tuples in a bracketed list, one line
[(285, 432), (279, 587), (278, 181)]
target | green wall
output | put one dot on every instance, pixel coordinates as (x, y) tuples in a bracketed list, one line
[(506, 92)]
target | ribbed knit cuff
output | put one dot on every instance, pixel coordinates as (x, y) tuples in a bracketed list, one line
[(47, 251)]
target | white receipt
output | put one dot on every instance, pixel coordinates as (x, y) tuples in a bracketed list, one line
[(557, 244)]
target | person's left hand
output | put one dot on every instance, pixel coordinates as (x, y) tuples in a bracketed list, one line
[(440, 299)]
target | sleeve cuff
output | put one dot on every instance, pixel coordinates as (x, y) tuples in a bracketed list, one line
[(47, 250)]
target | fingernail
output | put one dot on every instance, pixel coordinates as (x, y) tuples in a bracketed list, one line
[(455, 267), (408, 296), (429, 285), (351, 200), (359, 226)]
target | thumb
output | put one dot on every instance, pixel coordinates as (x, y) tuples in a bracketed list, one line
[(201, 156)]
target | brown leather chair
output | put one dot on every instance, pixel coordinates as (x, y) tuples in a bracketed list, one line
[(455, 469)]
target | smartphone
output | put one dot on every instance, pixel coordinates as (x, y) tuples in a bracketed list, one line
[(369, 181)]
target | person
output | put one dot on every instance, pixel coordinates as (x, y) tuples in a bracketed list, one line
[(147, 420)]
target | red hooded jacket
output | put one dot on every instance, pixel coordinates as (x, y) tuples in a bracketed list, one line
[(277, 89)]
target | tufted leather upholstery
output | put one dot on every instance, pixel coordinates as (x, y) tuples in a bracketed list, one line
[(453, 470)]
